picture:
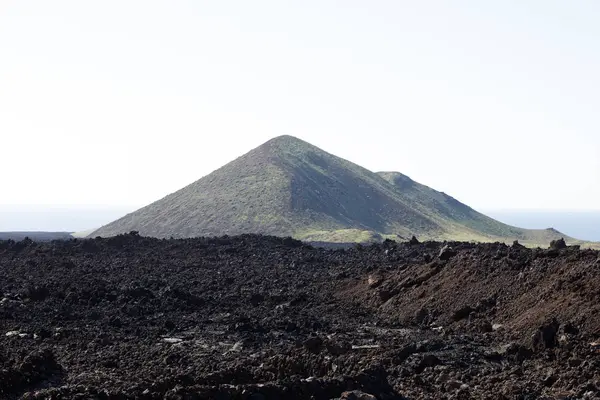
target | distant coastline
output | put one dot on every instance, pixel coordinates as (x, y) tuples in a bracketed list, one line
[(584, 225), (58, 218)]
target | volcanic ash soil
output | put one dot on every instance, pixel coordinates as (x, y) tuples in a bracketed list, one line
[(260, 318)]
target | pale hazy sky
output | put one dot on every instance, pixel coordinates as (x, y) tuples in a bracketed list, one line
[(122, 102)]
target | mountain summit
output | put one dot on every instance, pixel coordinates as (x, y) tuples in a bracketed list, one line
[(288, 187)]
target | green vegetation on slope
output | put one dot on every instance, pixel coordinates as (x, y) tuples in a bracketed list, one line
[(290, 187)]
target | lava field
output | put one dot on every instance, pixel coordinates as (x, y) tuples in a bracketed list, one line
[(258, 318)]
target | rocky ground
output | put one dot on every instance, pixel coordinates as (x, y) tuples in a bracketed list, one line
[(256, 318)]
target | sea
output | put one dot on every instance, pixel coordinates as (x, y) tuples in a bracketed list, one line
[(584, 225)]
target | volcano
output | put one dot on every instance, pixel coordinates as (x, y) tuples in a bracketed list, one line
[(288, 187)]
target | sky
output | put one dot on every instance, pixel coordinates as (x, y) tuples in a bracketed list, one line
[(119, 103)]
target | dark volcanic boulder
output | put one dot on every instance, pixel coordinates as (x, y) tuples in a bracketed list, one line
[(545, 336), (558, 244), (446, 253), (357, 395)]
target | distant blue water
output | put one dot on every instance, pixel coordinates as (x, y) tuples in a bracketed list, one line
[(57, 218), (584, 225)]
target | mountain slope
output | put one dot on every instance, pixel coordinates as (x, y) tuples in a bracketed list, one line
[(290, 187), (463, 218)]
